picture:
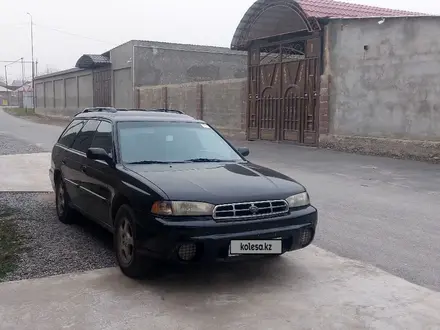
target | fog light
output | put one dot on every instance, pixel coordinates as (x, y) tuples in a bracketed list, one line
[(187, 252), (306, 237)]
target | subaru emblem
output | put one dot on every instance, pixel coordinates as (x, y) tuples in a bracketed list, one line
[(253, 209)]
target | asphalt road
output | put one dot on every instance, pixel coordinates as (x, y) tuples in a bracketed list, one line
[(381, 211)]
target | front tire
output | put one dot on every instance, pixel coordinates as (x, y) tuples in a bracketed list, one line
[(130, 261), (65, 213)]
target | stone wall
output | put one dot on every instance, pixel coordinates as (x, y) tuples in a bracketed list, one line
[(220, 103)]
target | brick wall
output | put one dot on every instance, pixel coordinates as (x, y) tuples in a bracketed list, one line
[(220, 103)]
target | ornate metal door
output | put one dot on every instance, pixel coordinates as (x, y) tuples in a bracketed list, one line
[(102, 88), (283, 92)]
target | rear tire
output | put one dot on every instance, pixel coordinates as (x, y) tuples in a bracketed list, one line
[(65, 213), (130, 261)]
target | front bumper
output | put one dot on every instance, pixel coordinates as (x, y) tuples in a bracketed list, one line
[(162, 237)]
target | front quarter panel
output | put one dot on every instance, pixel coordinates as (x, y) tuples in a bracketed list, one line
[(140, 193)]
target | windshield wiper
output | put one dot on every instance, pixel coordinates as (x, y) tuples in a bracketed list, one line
[(207, 160)]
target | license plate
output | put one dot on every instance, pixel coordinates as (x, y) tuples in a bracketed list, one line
[(240, 247)]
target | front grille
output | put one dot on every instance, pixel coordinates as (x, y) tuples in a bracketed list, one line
[(250, 210)]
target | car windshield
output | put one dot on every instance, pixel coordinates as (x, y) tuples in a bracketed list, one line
[(172, 142)]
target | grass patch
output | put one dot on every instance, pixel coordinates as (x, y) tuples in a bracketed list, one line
[(11, 242), (20, 112)]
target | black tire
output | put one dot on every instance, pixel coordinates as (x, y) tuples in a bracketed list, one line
[(130, 261), (65, 213)]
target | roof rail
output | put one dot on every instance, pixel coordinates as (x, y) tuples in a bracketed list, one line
[(113, 110), (97, 109), (166, 110), (151, 110)]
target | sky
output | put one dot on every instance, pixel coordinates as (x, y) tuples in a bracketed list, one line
[(65, 30)]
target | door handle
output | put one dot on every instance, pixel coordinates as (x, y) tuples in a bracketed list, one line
[(63, 162), (83, 168)]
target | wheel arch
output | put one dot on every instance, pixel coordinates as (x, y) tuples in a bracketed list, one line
[(56, 175), (117, 201)]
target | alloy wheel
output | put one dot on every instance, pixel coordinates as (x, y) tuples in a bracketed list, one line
[(126, 241)]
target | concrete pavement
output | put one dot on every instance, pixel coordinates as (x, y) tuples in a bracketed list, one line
[(25, 172), (380, 211), (309, 289)]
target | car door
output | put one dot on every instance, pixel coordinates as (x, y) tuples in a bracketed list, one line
[(79, 149), (69, 161), (100, 176)]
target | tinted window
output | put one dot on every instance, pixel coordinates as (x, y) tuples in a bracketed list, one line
[(70, 133), (103, 137), (172, 142), (85, 137)]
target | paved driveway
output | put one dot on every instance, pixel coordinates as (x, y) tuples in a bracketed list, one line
[(310, 289)]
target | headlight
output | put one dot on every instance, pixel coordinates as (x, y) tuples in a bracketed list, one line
[(182, 208), (298, 200)]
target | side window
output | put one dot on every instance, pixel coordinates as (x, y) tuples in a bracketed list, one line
[(84, 138), (70, 133), (103, 137)]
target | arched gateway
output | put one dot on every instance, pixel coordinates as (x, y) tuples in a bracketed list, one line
[(284, 56)]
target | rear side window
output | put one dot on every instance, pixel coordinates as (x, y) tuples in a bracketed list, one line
[(70, 133), (103, 137), (84, 138)]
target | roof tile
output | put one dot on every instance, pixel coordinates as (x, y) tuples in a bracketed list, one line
[(335, 9)]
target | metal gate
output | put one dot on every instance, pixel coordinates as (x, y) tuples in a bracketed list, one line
[(102, 96), (283, 91)]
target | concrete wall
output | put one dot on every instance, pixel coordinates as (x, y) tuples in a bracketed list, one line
[(385, 78), (186, 97), (149, 63), (123, 96), (122, 61), (158, 63), (121, 56), (220, 103), (64, 93), (59, 93)]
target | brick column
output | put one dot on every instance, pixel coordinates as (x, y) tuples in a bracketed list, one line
[(323, 105), (164, 97)]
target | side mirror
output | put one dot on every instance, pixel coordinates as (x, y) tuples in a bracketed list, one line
[(100, 154), (243, 151)]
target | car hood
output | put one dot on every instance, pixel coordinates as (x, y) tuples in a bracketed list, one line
[(218, 183)]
